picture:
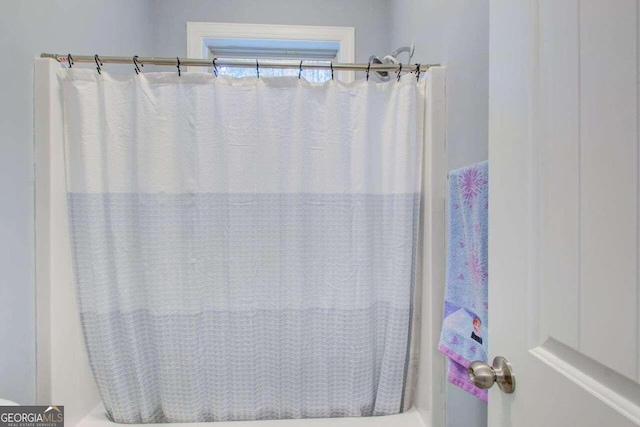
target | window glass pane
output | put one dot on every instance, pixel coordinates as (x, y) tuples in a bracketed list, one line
[(315, 76)]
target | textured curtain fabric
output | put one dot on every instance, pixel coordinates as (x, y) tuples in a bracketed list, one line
[(244, 248)]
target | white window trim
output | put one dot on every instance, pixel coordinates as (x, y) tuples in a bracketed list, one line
[(197, 32)]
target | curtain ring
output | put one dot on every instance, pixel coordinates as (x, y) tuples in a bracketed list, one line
[(418, 72), (135, 63), (400, 71), (215, 67), (178, 66), (368, 68), (98, 63), (70, 60), (331, 70), (257, 69), (300, 72)]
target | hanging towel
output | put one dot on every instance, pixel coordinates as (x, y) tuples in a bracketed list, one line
[(464, 326)]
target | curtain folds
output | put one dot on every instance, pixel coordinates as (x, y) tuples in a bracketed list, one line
[(244, 248)]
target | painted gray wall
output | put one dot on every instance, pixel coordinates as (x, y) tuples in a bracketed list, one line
[(27, 28), (454, 33), (371, 19)]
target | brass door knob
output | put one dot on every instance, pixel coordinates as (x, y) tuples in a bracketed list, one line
[(484, 376)]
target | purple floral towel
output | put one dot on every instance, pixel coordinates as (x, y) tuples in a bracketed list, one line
[(464, 327)]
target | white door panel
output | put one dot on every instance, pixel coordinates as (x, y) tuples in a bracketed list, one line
[(564, 223), (608, 145)]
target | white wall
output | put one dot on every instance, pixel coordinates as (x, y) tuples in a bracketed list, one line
[(371, 19), (456, 34), (27, 28)]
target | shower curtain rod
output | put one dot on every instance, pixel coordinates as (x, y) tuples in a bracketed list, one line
[(232, 62)]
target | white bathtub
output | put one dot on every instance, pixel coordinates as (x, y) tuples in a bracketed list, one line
[(410, 418), (63, 374)]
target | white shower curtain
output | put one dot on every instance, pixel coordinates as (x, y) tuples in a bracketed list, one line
[(244, 248)]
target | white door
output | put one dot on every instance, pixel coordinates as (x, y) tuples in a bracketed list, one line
[(564, 209)]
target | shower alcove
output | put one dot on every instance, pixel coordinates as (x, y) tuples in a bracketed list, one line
[(63, 373)]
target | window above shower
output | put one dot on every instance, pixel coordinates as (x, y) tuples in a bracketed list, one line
[(273, 43), (315, 76), (274, 51)]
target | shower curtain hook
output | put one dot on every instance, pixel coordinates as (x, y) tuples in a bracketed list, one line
[(135, 63), (215, 67), (400, 71), (98, 63), (257, 69), (331, 70), (418, 72), (178, 66), (368, 68), (300, 72)]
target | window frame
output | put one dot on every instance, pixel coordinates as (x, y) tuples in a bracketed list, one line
[(198, 32)]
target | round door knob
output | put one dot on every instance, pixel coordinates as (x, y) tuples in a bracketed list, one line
[(484, 376)]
